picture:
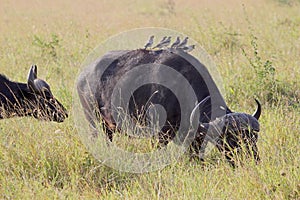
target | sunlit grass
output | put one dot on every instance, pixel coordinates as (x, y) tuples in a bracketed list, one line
[(48, 160)]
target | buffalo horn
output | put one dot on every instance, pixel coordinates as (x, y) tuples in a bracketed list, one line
[(32, 75), (197, 106), (257, 113)]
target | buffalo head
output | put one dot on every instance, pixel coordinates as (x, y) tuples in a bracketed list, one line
[(32, 99), (233, 132), (42, 103)]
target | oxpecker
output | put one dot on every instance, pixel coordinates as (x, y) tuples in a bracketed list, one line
[(183, 43), (164, 43), (176, 43), (150, 42)]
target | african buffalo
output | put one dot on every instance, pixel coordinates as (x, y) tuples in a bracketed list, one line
[(32, 99), (97, 82)]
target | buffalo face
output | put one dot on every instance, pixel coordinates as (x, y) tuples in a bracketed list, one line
[(48, 109), (236, 132), (40, 101), (240, 134)]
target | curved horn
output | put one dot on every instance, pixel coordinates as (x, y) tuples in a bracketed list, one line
[(257, 113), (32, 75), (198, 105)]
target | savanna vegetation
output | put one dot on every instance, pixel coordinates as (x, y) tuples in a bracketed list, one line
[(255, 45)]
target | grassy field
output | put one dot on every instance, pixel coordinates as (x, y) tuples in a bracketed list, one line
[(256, 46)]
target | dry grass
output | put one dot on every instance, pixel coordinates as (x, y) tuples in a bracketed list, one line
[(47, 160)]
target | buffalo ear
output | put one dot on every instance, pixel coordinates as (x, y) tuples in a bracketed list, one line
[(32, 75)]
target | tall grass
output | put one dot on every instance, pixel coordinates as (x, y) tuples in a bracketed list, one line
[(44, 160)]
